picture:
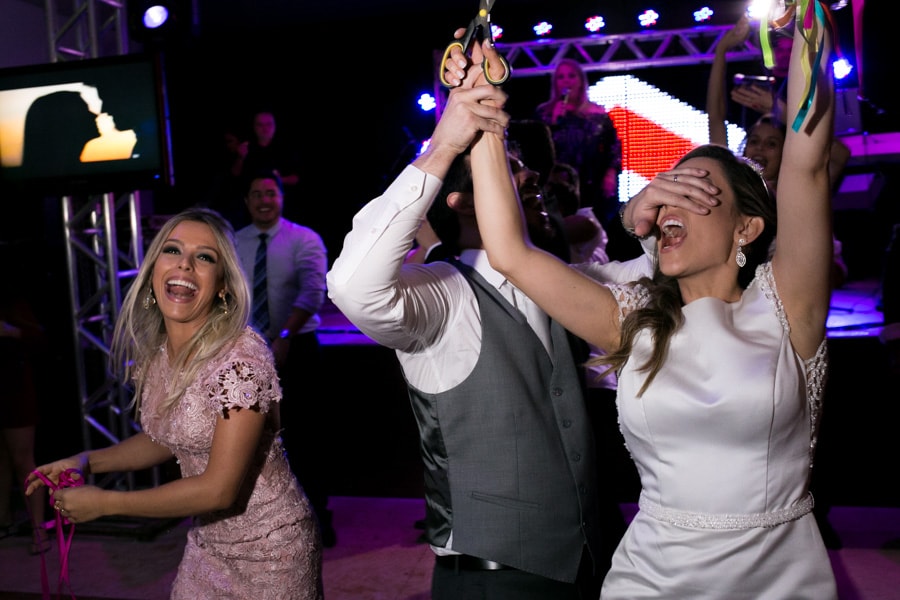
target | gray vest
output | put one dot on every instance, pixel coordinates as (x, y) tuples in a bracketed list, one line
[(509, 453)]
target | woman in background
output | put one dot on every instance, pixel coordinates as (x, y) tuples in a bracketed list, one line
[(585, 137)]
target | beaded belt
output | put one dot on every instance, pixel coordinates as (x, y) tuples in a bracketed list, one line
[(682, 518)]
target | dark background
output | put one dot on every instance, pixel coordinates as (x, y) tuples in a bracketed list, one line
[(342, 78)]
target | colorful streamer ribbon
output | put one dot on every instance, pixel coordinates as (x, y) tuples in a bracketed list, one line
[(810, 17)]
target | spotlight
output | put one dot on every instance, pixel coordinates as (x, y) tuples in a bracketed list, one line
[(543, 29), (426, 102), (648, 18), (155, 16), (704, 14), (159, 21), (841, 69), (594, 23)]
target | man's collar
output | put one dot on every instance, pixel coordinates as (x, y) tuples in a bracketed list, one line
[(271, 231), (478, 260)]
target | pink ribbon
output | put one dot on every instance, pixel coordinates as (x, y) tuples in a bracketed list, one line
[(66, 479)]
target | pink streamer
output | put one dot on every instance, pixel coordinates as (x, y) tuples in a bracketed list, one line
[(64, 542)]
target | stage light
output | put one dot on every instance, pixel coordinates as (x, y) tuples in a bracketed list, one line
[(155, 16), (543, 29), (759, 9), (648, 18), (594, 24), (496, 32), (841, 68), (159, 21), (704, 14), (427, 102)]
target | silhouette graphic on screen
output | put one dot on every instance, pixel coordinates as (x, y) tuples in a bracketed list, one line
[(57, 126), (114, 143)]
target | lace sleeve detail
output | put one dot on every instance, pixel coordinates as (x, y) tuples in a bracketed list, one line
[(247, 379), (816, 377), (242, 384), (630, 297)]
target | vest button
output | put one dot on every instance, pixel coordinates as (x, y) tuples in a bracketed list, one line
[(567, 423), (557, 392)]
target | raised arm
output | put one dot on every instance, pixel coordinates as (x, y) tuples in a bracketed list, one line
[(565, 294), (581, 305), (716, 106), (368, 281), (802, 261)]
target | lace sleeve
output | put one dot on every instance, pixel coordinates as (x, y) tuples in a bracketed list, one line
[(245, 383), (630, 296)]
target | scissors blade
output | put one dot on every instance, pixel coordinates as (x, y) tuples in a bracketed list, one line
[(483, 19)]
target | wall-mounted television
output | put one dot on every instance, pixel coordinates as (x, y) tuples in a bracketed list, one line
[(85, 126)]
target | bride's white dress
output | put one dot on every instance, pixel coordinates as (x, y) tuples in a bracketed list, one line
[(724, 440)]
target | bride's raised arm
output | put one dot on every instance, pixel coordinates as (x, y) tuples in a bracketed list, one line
[(803, 254), (580, 304)]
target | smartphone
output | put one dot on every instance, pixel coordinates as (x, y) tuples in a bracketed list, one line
[(757, 80)]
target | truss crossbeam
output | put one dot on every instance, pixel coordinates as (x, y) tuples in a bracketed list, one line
[(625, 52)]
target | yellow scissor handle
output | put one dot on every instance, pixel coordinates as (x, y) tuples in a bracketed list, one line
[(444, 60), (485, 67), (487, 72)]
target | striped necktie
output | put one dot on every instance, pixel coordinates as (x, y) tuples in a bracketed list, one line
[(260, 291)]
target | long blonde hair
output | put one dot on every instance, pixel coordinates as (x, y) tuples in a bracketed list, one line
[(140, 332), (578, 98)]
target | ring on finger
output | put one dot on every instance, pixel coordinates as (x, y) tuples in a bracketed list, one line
[(674, 178)]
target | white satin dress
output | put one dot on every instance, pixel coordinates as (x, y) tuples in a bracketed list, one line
[(723, 440)]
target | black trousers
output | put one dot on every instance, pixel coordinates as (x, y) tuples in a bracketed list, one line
[(449, 583)]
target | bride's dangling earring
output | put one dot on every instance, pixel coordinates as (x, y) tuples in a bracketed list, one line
[(740, 258)]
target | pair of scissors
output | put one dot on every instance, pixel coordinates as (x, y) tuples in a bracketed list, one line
[(479, 27)]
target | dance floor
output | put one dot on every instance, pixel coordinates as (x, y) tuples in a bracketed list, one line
[(378, 557), (377, 498)]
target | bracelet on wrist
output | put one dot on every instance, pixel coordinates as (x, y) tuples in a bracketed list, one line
[(628, 230)]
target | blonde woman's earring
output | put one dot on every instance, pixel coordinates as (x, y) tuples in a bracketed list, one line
[(740, 258), (149, 300), (224, 298)]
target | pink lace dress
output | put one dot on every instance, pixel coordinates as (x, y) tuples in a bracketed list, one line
[(267, 545)]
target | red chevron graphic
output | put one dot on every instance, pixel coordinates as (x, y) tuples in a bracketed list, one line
[(647, 147)]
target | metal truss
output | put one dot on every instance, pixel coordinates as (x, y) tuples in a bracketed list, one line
[(625, 52), (86, 29), (104, 246), (616, 53)]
